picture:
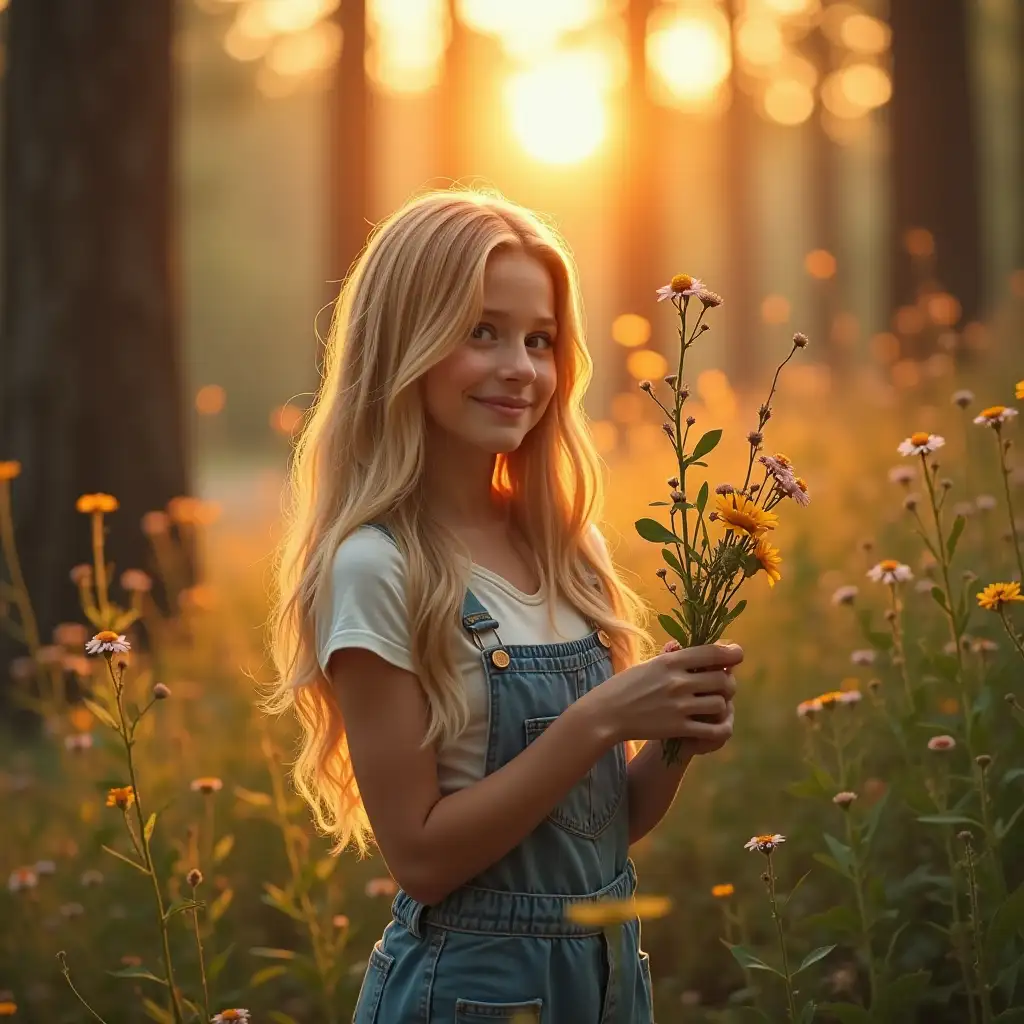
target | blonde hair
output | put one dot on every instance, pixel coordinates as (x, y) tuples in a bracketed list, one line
[(412, 298)]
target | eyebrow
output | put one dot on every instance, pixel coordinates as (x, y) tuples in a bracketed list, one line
[(501, 314)]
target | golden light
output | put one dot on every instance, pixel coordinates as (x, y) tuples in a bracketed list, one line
[(274, 86), (844, 131), (210, 400), (526, 27), (759, 40), (628, 407), (792, 8), (866, 85), (834, 17), (905, 373), (238, 45), (1017, 283), (775, 309), (297, 15), (836, 101), (605, 436), (251, 21), (845, 329), (631, 330), (688, 54), (908, 320), (820, 264), (919, 242), (943, 309), (717, 394), (408, 43), (787, 101), (646, 365), (885, 347), (315, 49), (864, 34), (286, 419), (558, 108)]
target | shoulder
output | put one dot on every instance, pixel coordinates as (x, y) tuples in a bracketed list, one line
[(366, 551)]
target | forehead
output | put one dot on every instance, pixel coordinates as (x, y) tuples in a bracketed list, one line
[(515, 280)]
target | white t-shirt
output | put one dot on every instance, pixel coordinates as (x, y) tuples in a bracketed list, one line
[(364, 606)]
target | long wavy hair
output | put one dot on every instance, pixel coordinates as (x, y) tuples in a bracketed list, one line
[(412, 298)]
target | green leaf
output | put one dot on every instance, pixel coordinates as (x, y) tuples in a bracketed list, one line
[(735, 612), (674, 630), (813, 957), (101, 713), (807, 1013), (1007, 920), (670, 557), (265, 974), (179, 906), (157, 1013), (747, 959), (702, 498), (792, 892), (829, 862), (150, 825), (221, 904), (273, 954), (949, 819), (653, 504), (253, 798), (1001, 829), (137, 972), (842, 854), (954, 535), (705, 445), (839, 919), (224, 845), (873, 817), (127, 860), (652, 530), (218, 963), (897, 1000)]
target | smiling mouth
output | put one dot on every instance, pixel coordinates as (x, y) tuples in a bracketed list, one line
[(506, 410)]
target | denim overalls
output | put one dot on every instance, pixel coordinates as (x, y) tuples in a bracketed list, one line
[(500, 947)]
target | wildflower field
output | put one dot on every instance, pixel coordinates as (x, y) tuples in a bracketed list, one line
[(855, 854)]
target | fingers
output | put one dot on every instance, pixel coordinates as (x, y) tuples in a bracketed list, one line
[(711, 732), (712, 682), (710, 656), (711, 705)]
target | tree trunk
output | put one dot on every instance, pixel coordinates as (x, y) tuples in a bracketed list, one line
[(741, 306), (91, 388), (638, 228), (348, 150), (933, 129)]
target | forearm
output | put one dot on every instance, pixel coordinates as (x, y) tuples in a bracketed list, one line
[(652, 788), (473, 828)]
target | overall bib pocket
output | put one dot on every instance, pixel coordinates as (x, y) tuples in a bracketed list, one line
[(377, 968), (468, 1011), (588, 808)]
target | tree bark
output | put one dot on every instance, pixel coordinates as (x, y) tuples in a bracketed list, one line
[(348, 149), (933, 131), (91, 379)]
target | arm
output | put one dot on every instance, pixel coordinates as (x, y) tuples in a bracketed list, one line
[(652, 787), (432, 845)]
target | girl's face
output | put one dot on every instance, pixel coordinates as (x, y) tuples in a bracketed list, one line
[(510, 354)]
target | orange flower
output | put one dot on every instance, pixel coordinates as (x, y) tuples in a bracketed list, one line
[(90, 503), (9, 470), (121, 796), (741, 513), (720, 892), (995, 595)]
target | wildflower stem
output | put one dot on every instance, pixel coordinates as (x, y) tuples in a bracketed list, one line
[(78, 995), (147, 854), (29, 628), (782, 940), (979, 955), (1011, 632), (897, 641), (858, 887), (100, 564), (961, 952), (1005, 469), (762, 419), (202, 960)]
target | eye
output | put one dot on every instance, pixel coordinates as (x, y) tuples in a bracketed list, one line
[(476, 332), (544, 337)]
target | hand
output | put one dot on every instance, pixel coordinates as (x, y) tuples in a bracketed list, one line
[(708, 746), (681, 693)]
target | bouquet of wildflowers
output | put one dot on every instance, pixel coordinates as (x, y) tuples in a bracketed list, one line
[(711, 565)]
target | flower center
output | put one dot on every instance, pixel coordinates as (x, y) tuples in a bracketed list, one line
[(920, 438), (993, 412), (888, 565), (681, 282), (106, 636)]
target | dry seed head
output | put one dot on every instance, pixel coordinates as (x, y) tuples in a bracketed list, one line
[(194, 878)]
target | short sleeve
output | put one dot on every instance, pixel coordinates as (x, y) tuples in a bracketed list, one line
[(363, 602)]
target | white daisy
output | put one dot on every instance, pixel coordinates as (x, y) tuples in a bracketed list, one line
[(682, 285), (108, 642), (890, 571), (765, 843), (230, 1015), (921, 443), (995, 416)]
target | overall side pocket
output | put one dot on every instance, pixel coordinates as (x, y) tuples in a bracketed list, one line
[(470, 1011), (377, 968)]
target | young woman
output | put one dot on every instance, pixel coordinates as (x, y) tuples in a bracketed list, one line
[(467, 667)]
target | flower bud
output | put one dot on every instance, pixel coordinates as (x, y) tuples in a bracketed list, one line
[(690, 420), (983, 761), (800, 340), (161, 691), (194, 878), (755, 437)]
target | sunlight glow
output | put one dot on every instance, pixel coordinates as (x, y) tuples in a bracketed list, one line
[(759, 40), (688, 53), (409, 40), (787, 101), (558, 108), (526, 27)]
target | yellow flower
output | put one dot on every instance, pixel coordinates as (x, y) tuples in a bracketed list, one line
[(206, 784), (9, 470), (602, 912), (765, 843), (770, 560), (681, 282), (97, 503), (995, 416), (1019, 393), (742, 514), (8, 1008), (995, 595), (782, 459), (121, 796), (720, 892)]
